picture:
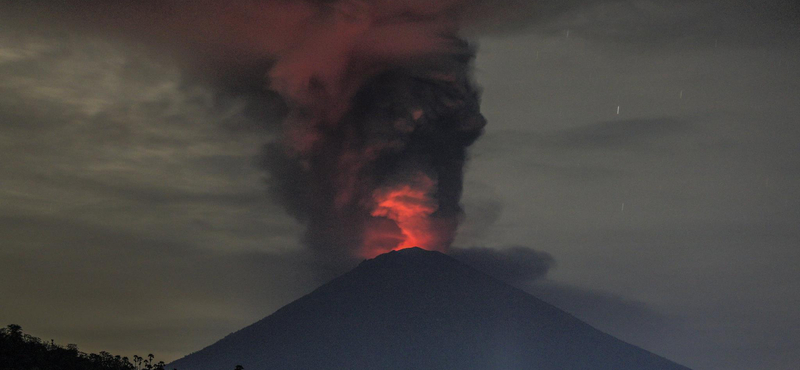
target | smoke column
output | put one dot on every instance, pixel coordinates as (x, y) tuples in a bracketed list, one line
[(382, 110)]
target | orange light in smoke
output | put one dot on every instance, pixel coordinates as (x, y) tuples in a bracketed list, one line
[(410, 207)]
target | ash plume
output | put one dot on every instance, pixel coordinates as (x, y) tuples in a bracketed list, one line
[(382, 110)]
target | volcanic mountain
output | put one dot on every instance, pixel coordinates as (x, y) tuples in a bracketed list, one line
[(417, 309)]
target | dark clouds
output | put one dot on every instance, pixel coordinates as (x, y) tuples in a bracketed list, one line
[(97, 131)]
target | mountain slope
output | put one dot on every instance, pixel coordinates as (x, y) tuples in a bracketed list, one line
[(416, 309)]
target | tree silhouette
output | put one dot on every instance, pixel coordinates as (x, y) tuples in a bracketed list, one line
[(20, 351), (15, 332)]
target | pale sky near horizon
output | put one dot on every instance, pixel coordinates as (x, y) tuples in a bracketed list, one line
[(651, 147)]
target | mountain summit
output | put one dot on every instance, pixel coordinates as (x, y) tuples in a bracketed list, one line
[(417, 309)]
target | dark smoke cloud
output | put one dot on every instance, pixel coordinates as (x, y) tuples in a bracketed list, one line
[(402, 122)]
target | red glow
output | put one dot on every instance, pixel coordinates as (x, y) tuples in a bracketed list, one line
[(402, 219)]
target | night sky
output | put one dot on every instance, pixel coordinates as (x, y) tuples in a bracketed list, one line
[(648, 150)]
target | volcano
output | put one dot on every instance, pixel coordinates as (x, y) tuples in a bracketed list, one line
[(419, 309)]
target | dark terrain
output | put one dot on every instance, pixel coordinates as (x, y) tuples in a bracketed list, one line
[(416, 309)]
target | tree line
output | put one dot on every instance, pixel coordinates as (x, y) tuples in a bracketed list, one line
[(21, 351)]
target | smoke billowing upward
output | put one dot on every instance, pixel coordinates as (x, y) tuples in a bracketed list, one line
[(374, 146)]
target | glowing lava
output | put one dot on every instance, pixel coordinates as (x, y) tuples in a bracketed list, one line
[(403, 219)]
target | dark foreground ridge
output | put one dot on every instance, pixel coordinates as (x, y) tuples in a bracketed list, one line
[(416, 309)]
